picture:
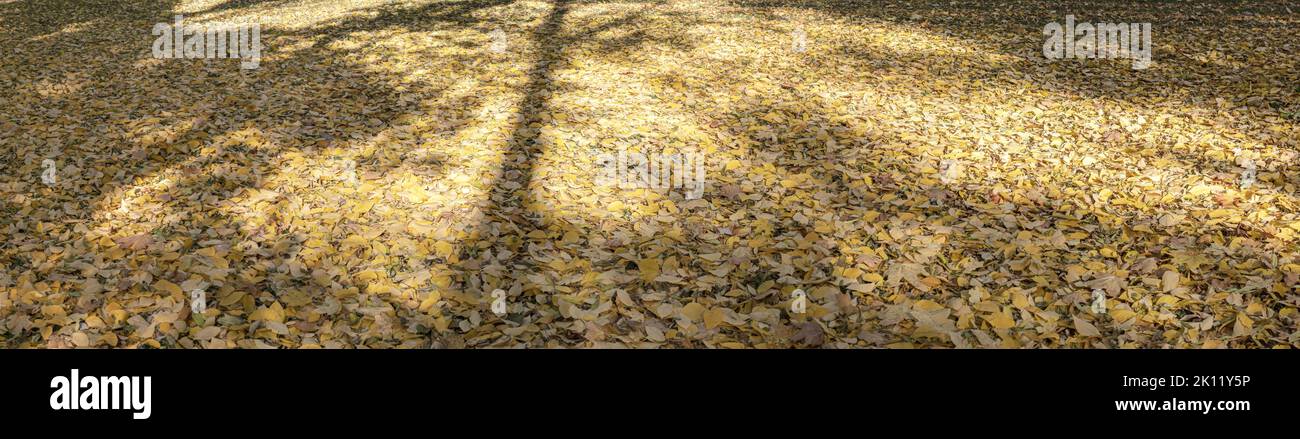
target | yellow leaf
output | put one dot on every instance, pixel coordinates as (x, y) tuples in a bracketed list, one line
[(231, 298), (1255, 309), (1000, 320), (1020, 299), (274, 313), (693, 311), (1220, 213), (428, 303), (927, 305), (443, 249), (713, 317), (649, 269), (355, 241), (207, 333), (168, 287), (53, 310), (1085, 329)]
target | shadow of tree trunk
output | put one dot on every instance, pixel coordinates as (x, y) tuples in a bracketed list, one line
[(508, 221)]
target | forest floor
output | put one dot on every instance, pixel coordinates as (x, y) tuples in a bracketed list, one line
[(877, 174)]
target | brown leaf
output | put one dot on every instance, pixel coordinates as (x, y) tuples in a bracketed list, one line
[(809, 334), (135, 242), (1086, 329)]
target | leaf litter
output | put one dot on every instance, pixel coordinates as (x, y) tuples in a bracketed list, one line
[(920, 173)]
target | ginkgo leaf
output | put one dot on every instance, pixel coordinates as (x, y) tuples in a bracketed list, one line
[(136, 242), (649, 268), (898, 272), (1085, 329), (646, 177)]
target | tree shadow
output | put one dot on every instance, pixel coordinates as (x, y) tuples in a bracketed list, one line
[(885, 208), (230, 5), (220, 150), (246, 170), (1196, 60), (211, 142), (517, 230)]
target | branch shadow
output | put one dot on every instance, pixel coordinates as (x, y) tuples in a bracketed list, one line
[(213, 139), (1255, 77)]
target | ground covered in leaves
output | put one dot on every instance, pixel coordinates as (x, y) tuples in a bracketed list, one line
[(475, 170)]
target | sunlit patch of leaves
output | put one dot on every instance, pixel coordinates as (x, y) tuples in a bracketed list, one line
[(475, 171)]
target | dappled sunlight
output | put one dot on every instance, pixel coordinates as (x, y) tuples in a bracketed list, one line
[(288, 14), (926, 177)]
